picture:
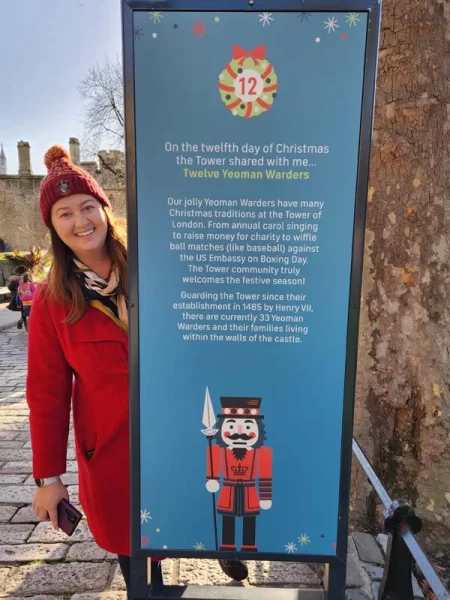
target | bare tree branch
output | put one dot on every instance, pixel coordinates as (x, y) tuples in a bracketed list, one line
[(102, 92)]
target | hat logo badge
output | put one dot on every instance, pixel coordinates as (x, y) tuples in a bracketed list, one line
[(63, 186)]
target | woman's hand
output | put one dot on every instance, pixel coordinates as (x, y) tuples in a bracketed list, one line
[(46, 501)]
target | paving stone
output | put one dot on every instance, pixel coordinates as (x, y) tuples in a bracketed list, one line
[(7, 436), (40, 597), (107, 595), (117, 582), (416, 588), (56, 579), (86, 551), (23, 436), (73, 494), (6, 512), (19, 427), (8, 455), (375, 589), (15, 534), (354, 578), (374, 572), (4, 572), (44, 533), (357, 595), (32, 552), (17, 467), (382, 539), (9, 479), (19, 494), (10, 445), (368, 549), (202, 572), (25, 515), (265, 572)]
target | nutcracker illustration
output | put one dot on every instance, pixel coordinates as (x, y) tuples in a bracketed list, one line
[(239, 464)]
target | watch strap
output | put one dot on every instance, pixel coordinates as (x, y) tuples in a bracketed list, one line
[(46, 481)]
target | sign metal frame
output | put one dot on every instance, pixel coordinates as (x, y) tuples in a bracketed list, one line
[(336, 564)]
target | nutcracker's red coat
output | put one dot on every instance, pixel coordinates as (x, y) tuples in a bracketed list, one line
[(87, 362)]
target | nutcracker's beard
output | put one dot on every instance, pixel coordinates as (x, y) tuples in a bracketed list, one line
[(239, 453)]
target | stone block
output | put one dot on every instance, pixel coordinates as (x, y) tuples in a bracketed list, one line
[(16, 455), (10, 445), (17, 427), (73, 494), (40, 597), (4, 572), (375, 588), (17, 467), (281, 573), (15, 534), (6, 513), (25, 515), (107, 595), (367, 548), (7, 436), (66, 578), (354, 578), (382, 539), (117, 582), (44, 533), (32, 552), (375, 573), (418, 594), (357, 595), (23, 436), (202, 572), (12, 479), (19, 494), (86, 551)]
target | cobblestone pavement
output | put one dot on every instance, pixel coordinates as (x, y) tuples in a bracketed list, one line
[(37, 562)]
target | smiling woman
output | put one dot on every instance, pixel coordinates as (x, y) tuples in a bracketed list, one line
[(78, 358)]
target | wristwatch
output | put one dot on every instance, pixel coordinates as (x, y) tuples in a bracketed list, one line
[(46, 481)]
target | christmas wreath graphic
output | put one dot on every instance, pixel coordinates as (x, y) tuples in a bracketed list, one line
[(248, 85)]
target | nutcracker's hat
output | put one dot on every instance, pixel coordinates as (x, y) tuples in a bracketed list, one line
[(233, 406)]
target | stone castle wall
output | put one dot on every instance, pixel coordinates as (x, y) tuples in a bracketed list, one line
[(20, 221)]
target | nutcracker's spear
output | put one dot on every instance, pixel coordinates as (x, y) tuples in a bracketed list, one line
[(209, 421)]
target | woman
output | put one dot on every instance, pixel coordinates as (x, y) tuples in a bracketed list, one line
[(78, 356), (78, 353)]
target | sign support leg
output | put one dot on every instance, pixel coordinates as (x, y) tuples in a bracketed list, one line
[(139, 579), (334, 582)]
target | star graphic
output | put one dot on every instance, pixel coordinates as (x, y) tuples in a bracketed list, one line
[(303, 539), (145, 516), (138, 33), (331, 24), (291, 548), (199, 29), (304, 16), (352, 19), (199, 546), (156, 16), (144, 540), (265, 18)]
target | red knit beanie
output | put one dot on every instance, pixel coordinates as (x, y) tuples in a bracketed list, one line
[(64, 179)]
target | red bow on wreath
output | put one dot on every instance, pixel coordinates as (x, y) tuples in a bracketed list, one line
[(257, 54)]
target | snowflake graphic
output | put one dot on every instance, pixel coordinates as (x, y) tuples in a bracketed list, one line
[(291, 548), (331, 24), (303, 539), (265, 18), (138, 33), (352, 19), (199, 546), (304, 16), (199, 29), (156, 16), (145, 516)]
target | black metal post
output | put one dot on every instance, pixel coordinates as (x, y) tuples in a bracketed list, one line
[(335, 577), (397, 577), (139, 585)]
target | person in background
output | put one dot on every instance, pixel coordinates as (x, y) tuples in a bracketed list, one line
[(26, 292), (78, 357)]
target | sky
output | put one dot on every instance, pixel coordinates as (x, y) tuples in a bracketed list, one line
[(46, 48)]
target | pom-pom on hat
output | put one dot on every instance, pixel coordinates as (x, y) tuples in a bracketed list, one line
[(64, 179)]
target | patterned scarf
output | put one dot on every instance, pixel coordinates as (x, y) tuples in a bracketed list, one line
[(107, 292)]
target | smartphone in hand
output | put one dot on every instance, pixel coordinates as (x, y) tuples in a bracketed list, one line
[(68, 517)]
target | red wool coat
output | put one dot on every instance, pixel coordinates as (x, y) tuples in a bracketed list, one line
[(86, 364)]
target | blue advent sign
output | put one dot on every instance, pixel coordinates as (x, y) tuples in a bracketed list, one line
[(248, 138)]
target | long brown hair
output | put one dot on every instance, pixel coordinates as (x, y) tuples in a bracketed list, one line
[(62, 283)]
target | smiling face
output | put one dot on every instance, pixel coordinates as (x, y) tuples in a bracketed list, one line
[(80, 222), (240, 433)]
